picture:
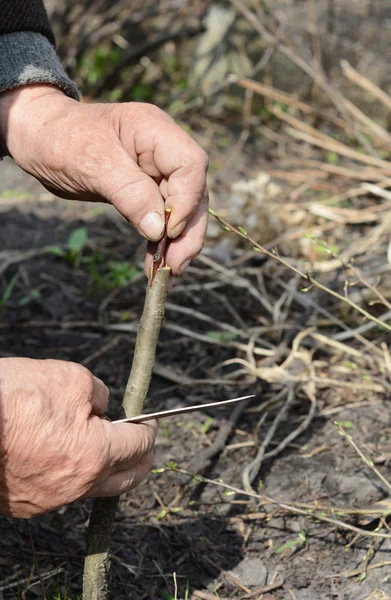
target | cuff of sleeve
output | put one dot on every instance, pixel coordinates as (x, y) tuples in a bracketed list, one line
[(29, 58)]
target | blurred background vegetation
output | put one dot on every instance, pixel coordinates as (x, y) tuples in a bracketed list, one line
[(171, 51), (291, 100)]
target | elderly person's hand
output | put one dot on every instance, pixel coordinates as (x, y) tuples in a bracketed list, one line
[(55, 448), (132, 155)]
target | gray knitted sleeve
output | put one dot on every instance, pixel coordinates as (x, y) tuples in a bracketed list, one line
[(27, 57)]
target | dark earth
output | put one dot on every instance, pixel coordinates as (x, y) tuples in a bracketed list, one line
[(220, 545), (223, 545)]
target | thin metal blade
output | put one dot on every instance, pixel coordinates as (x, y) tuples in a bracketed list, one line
[(179, 411)]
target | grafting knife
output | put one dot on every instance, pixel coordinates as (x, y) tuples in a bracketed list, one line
[(179, 411)]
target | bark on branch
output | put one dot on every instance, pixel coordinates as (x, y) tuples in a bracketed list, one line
[(97, 563)]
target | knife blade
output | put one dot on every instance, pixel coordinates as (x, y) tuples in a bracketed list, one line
[(179, 411)]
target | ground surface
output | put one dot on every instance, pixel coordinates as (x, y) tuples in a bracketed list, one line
[(222, 545), (232, 305)]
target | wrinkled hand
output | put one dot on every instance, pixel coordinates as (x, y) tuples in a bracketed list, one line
[(54, 447), (132, 155)]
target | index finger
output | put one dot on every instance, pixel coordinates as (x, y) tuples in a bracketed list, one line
[(184, 164)]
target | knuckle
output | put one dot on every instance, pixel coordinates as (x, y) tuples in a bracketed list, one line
[(81, 375), (152, 110), (204, 159)]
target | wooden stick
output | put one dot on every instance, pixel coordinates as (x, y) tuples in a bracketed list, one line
[(97, 563), (365, 84)]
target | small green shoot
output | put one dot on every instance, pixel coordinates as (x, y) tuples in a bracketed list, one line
[(9, 289), (109, 275), (77, 240), (121, 274), (344, 424), (222, 336), (332, 157), (33, 296), (162, 514), (75, 246), (299, 541), (207, 425), (166, 595)]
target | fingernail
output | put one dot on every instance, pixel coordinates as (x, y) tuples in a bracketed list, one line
[(184, 266), (177, 230), (152, 225)]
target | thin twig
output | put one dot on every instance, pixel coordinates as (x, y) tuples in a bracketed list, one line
[(290, 508), (252, 469), (258, 248), (367, 461)]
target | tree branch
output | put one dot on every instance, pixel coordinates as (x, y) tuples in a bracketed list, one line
[(97, 563)]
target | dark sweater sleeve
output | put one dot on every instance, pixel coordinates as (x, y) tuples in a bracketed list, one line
[(24, 15), (27, 53)]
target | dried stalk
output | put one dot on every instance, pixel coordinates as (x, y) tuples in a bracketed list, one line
[(313, 282), (306, 510), (97, 563)]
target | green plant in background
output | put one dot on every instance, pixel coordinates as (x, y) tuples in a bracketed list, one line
[(121, 273), (299, 541), (76, 243), (109, 275), (33, 296), (141, 92), (6, 295), (94, 65)]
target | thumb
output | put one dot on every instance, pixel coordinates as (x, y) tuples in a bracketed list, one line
[(135, 195)]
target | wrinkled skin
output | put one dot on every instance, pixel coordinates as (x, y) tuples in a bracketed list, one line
[(132, 155), (55, 447)]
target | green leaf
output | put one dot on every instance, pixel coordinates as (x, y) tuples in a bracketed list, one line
[(34, 295), (290, 544), (158, 471), (171, 465), (207, 425), (349, 364), (212, 212), (242, 230), (9, 289), (344, 424), (222, 336), (121, 273), (303, 537), (162, 514), (56, 250), (166, 595), (77, 240), (332, 157)]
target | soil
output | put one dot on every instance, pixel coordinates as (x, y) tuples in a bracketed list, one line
[(211, 540)]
